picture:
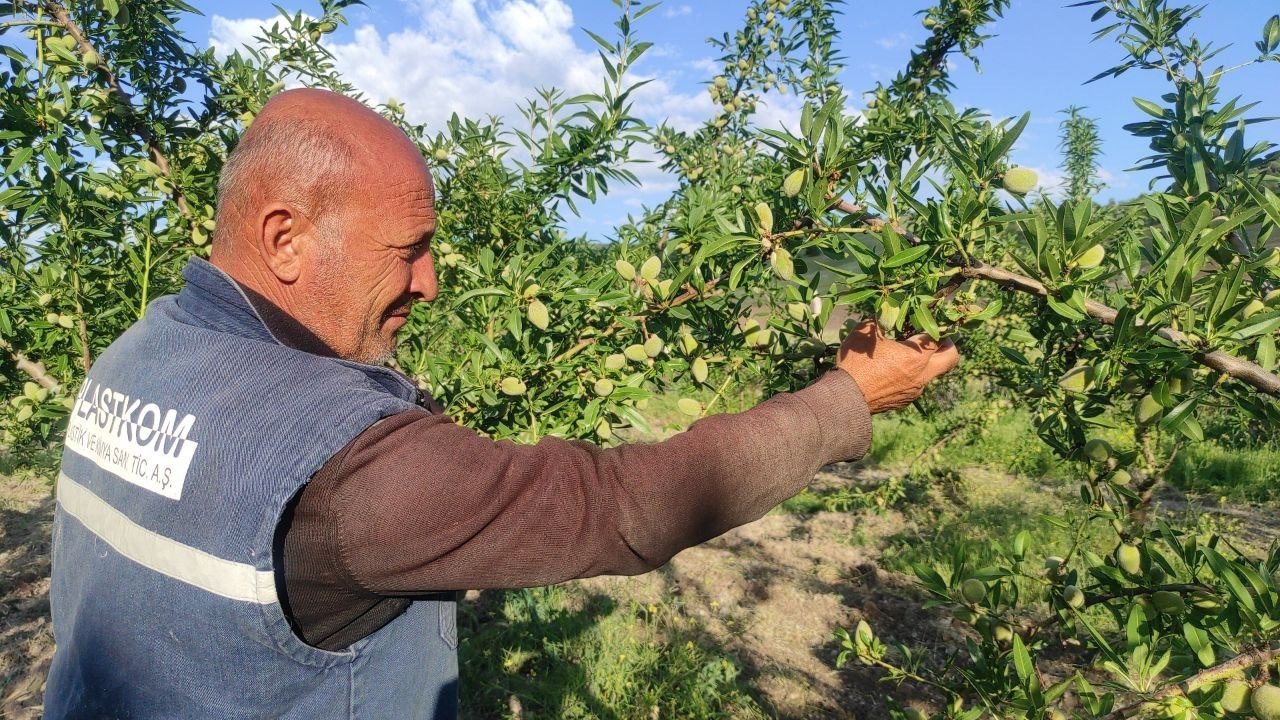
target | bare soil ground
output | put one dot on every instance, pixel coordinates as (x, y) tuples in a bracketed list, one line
[(770, 592), (26, 640)]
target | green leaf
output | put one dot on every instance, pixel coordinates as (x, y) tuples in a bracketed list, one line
[(904, 257), (1150, 108), (924, 319)]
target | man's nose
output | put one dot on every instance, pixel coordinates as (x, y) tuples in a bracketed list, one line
[(422, 283)]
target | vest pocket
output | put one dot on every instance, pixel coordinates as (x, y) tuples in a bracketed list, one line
[(448, 623)]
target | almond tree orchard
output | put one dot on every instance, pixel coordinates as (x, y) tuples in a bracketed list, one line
[(1121, 327)]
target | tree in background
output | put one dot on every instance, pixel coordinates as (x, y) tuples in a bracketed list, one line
[(1080, 148)]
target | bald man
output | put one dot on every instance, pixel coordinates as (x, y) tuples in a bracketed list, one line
[(258, 519)]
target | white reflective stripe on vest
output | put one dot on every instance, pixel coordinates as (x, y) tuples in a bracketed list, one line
[(232, 580)]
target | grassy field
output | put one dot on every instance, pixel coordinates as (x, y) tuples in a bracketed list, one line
[(742, 626)]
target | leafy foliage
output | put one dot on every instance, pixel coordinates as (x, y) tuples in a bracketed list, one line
[(1117, 329)]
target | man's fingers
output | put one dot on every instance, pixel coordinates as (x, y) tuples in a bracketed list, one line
[(944, 360), (926, 345)]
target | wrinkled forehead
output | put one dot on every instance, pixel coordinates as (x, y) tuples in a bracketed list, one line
[(393, 173)]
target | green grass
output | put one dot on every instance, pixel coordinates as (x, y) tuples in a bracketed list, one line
[(566, 652), (970, 435), (1239, 474)]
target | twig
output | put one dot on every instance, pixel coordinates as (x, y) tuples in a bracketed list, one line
[(64, 19), (1242, 370), (35, 370), (1204, 677)]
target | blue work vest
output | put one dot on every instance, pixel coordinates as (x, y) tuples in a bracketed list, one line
[(189, 438)]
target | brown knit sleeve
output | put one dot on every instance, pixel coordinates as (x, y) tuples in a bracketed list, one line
[(418, 503)]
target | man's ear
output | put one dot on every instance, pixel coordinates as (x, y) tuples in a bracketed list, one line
[(281, 240)]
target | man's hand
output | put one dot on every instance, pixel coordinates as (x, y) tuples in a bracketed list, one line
[(891, 374)]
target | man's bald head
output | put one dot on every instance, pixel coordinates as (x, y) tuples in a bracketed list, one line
[(307, 147), (325, 208)]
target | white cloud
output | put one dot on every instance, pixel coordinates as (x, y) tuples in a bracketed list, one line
[(226, 35), (677, 10), (892, 41), (475, 58)]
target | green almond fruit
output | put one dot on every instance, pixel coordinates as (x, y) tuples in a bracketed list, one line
[(1148, 410), (538, 314), (441, 154), (90, 58), (1181, 381), (688, 343), (765, 216), (1121, 477), (30, 389), (603, 387), (973, 590), (604, 430), (1129, 558), (625, 270), (45, 298), (66, 321), (699, 369), (1265, 702), (689, 407), (1002, 633), (1235, 698), (24, 413), (42, 394), (914, 714), (1020, 180), (783, 266), (1092, 257), (1097, 450), (52, 318), (1077, 380), (1156, 573), (512, 386), (1254, 307), (670, 149), (965, 615), (635, 352), (1074, 596), (653, 346), (615, 361), (1168, 602), (1206, 600), (793, 182), (650, 268), (798, 311), (1052, 563)]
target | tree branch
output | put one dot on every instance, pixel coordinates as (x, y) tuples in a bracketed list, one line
[(1204, 677), (1242, 370), (35, 370), (64, 19)]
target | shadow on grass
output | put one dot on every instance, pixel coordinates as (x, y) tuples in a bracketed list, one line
[(569, 653)]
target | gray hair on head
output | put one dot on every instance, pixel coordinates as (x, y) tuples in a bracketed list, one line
[(299, 161)]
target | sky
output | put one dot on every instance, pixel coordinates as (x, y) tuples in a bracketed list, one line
[(481, 57)]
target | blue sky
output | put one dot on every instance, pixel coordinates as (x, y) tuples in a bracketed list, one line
[(484, 56)]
